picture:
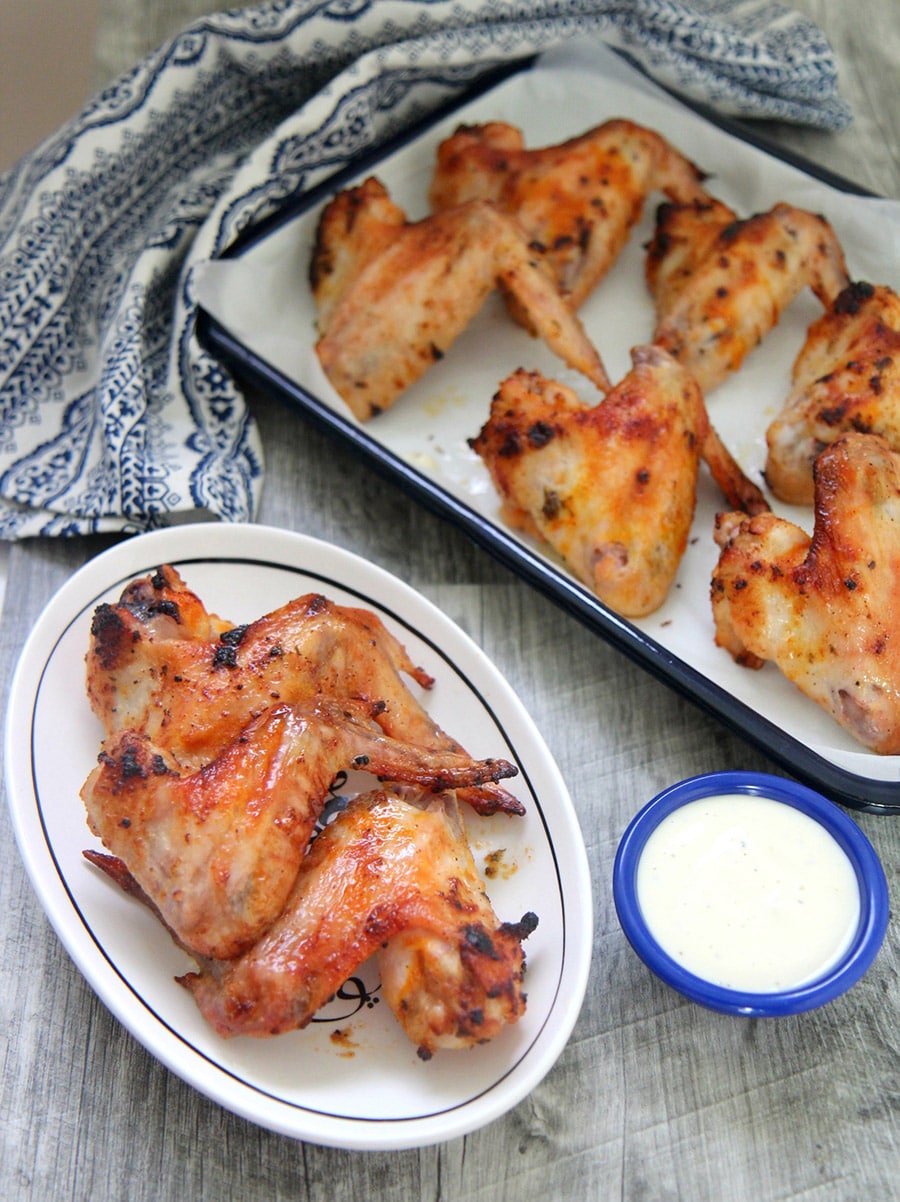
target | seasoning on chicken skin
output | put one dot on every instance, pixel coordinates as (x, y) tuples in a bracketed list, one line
[(825, 608), (846, 377), (152, 668), (729, 280), (611, 487), (393, 295), (684, 236), (392, 876), (217, 849), (576, 201)]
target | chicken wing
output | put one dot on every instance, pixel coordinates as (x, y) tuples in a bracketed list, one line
[(151, 668), (721, 283), (577, 201), (611, 487), (393, 295), (824, 609), (390, 877), (846, 377), (218, 849)]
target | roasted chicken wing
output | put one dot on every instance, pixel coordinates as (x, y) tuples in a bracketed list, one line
[(611, 487), (217, 849), (846, 377), (720, 283), (393, 295), (192, 684), (577, 201), (393, 876), (824, 609)]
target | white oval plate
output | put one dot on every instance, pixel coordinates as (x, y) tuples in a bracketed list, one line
[(351, 1079)]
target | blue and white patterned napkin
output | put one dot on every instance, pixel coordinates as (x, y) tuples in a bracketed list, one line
[(112, 417)]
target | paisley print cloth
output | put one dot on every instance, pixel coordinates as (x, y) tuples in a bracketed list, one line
[(112, 416)]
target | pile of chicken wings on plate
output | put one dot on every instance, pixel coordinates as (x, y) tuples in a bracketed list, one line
[(221, 744), (610, 483)]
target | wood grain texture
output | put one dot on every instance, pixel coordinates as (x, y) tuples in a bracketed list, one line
[(653, 1098)]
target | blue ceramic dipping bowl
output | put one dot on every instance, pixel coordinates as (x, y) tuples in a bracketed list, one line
[(870, 878)]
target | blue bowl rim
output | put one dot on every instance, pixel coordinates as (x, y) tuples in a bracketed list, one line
[(874, 901)]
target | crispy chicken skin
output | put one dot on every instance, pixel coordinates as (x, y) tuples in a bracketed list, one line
[(393, 295), (354, 228), (720, 283), (163, 604), (577, 201), (846, 377), (191, 684), (611, 487), (389, 876), (217, 849), (684, 236), (824, 609)]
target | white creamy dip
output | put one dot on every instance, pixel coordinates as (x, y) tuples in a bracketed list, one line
[(748, 893)]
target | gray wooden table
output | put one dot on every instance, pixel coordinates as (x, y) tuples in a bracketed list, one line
[(653, 1098)]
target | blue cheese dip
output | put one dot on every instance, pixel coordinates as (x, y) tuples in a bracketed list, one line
[(748, 893)]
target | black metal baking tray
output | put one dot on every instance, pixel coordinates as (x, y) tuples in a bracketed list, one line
[(810, 746)]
